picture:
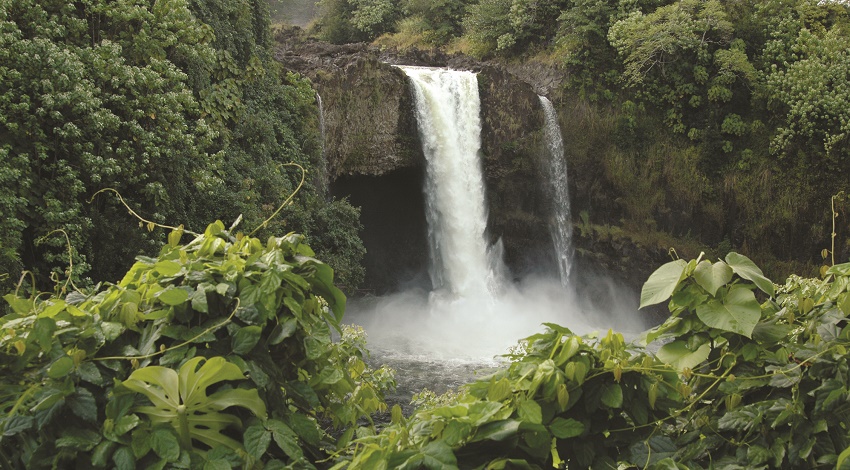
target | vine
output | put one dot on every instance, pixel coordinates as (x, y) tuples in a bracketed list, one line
[(70, 271), (840, 196), (151, 225), (286, 202)]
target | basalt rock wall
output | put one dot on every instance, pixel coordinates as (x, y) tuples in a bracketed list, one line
[(369, 125)]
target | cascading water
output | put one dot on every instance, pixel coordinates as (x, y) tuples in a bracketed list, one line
[(323, 168), (560, 226), (447, 113)]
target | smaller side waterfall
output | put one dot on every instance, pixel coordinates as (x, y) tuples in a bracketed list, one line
[(323, 178), (560, 226)]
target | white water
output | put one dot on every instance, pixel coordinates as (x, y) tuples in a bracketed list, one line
[(473, 313), (447, 113), (560, 226), (323, 168)]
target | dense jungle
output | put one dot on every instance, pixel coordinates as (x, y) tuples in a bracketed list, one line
[(183, 224)]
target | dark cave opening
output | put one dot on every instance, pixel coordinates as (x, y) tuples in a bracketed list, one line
[(395, 231)]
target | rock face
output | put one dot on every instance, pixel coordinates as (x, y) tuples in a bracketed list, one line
[(370, 128), (374, 156), (512, 146)]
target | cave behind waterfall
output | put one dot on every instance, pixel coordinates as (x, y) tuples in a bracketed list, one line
[(394, 227)]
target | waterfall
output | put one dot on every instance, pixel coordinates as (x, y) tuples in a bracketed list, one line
[(560, 226), (323, 182), (473, 313), (448, 117)]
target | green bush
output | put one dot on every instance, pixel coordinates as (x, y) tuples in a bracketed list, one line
[(216, 353), (219, 353)]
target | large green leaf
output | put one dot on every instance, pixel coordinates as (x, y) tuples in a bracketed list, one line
[(661, 284), (62, 367), (530, 411), (173, 296), (181, 399), (163, 443), (285, 438), (257, 439), (677, 354), (612, 396), (497, 430), (771, 333), (738, 312), (245, 339), (123, 459), (652, 451), (566, 428), (845, 454), (745, 268), (439, 455), (712, 276)]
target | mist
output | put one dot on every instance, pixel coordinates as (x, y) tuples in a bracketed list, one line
[(421, 325)]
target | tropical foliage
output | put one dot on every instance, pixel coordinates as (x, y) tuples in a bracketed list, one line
[(178, 105), (216, 353), (219, 353)]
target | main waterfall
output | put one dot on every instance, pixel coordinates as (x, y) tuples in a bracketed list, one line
[(448, 115)]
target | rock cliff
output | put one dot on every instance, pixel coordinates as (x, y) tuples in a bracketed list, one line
[(370, 127)]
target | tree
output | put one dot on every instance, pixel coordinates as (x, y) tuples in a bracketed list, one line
[(509, 25), (811, 93), (442, 18), (582, 42), (671, 35), (685, 59), (90, 97), (342, 21), (374, 17)]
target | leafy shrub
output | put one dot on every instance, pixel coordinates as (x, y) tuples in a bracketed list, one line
[(201, 356)]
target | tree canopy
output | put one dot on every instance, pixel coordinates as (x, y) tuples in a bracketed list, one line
[(176, 105)]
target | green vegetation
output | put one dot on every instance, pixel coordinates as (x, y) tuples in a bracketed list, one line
[(199, 358), (218, 354), (178, 105)]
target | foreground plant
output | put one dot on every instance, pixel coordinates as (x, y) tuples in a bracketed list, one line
[(217, 352), (181, 400)]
